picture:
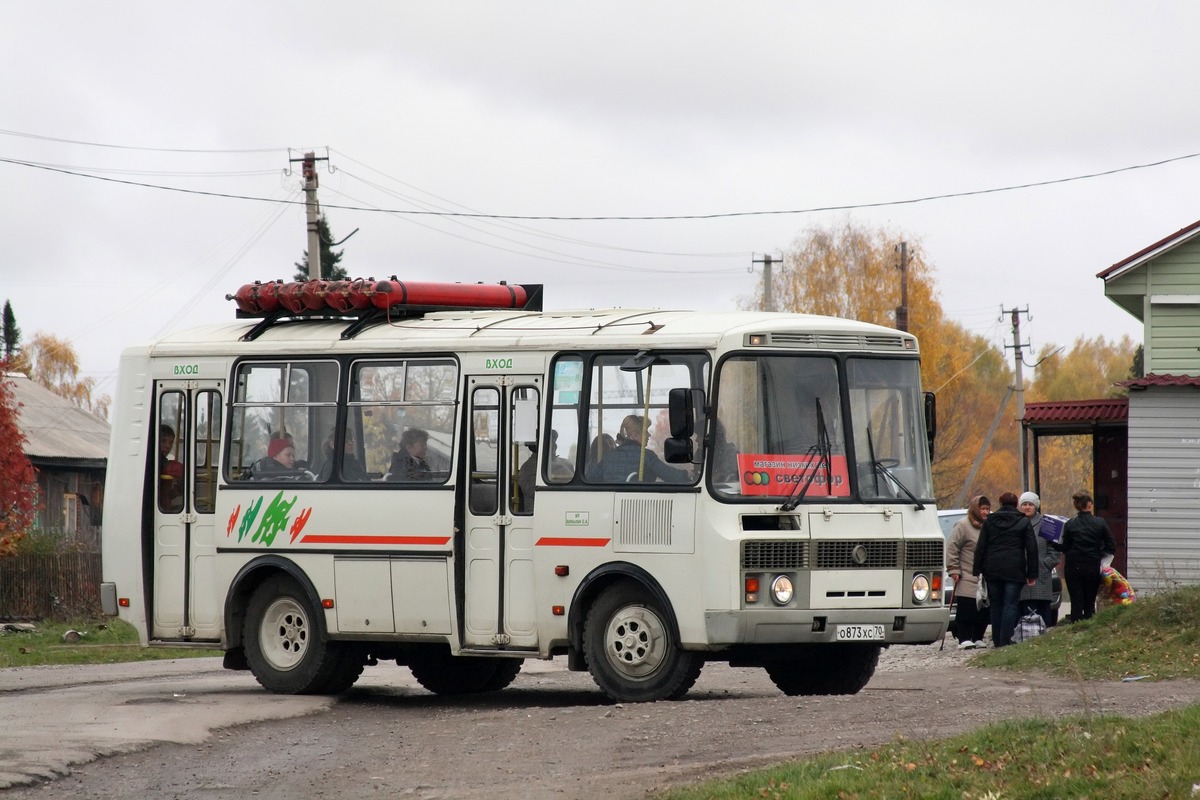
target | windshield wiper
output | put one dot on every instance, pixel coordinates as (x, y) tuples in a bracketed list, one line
[(879, 468), (825, 450)]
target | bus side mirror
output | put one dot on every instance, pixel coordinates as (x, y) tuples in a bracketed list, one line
[(678, 450), (930, 420), (682, 410)]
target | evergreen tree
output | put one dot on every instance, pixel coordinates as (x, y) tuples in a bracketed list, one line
[(330, 271), (11, 334)]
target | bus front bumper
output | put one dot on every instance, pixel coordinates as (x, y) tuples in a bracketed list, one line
[(790, 626)]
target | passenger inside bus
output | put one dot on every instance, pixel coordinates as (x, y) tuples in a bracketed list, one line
[(625, 463), (280, 462), (410, 462), (561, 471), (352, 468), (170, 471), (600, 447)]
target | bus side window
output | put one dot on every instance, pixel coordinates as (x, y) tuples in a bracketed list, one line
[(483, 495), (565, 394), (208, 445), (172, 445)]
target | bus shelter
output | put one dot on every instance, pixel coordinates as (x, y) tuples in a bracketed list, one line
[(1106, 421)]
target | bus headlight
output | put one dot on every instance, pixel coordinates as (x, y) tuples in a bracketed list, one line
[(920, 588), (782, 590)]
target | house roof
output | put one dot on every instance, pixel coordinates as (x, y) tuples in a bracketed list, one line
[(1162, 380), (1153, 251), (55, 428)]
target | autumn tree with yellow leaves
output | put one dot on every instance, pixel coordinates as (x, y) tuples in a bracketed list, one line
[(52, 362)]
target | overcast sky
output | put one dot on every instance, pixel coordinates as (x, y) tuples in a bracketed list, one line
[(572, 109)]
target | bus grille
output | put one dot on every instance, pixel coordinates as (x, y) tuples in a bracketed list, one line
[(925, 554), (774, 555), (840, 555), (838, 341)]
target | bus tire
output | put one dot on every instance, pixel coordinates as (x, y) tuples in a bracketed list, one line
[(349, 668), (826, 669), (506, 672), (632, 653), (285, 645), (445, 674)]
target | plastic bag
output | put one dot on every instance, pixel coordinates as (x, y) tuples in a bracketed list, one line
[(1028, 627), (981, 596)]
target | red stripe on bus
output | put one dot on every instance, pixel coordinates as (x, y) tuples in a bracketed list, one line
[(320, 539), (570, 541)]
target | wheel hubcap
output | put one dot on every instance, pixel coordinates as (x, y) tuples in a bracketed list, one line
[(636, 641), (284, 634)]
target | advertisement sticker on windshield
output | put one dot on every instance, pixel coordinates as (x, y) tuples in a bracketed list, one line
[(783, 475)]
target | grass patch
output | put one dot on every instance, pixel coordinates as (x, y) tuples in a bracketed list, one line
[(1156, 638), (1107, 757), (106, 641)]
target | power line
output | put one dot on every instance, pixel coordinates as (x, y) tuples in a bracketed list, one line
[(132, 147), (519, 228), (624, 217)]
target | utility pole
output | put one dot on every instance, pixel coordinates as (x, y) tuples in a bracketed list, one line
[(902, 309), (768, 298), (313, 212), (1019, 389)]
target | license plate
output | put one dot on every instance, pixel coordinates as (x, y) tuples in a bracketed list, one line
[(859, 633)]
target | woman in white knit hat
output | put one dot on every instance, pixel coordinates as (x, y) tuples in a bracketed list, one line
[(1038, 597)]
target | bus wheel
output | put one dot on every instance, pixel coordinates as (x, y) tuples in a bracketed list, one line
[(442, 673), (284, 646), (631, 650), (826, 669)]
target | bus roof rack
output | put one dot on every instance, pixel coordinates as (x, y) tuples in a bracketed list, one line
[(366, 301)]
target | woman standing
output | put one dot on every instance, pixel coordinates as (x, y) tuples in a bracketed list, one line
[(1038, 598), (969, 621), (1006, 557), (1086, 539)]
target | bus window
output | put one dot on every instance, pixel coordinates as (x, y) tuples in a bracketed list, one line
[(523, 441), (485, 457), (779, 428), (277, 406), (405, 411), (171, 447), (565, 395), (628, 417), (208, 441)]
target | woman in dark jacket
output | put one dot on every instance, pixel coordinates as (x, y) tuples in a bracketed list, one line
[(1085, 539), (1007, 558), (1039, 598)]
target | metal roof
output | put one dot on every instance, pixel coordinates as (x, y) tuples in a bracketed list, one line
[(55, 428), (1080, 415), (1161, 380), (1152, 251)]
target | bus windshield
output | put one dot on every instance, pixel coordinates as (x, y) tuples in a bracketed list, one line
[(780, 432)]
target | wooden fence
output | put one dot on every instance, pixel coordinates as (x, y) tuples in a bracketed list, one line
[(58, 586)]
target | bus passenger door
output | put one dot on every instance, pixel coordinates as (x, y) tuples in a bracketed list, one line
[(185, 469), (499, 606)]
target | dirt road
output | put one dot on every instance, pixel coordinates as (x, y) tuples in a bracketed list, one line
[(553, 735)]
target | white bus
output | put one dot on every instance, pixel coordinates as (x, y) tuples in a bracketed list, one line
[(400, 473)]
